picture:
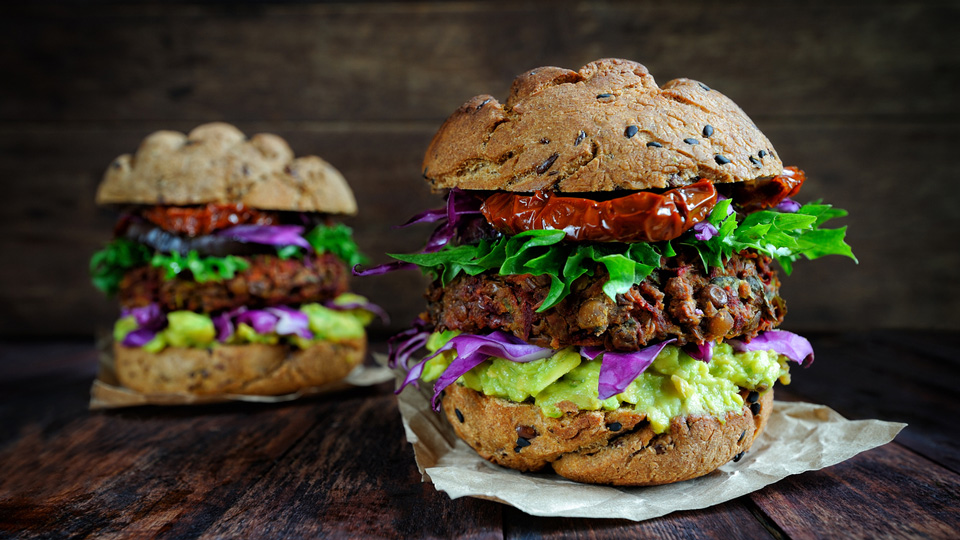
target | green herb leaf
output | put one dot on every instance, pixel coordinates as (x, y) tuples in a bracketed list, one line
[(203, 269), (108, 265), (336, 239), (783, 236)]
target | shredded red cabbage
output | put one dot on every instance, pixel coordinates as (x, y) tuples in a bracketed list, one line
[(139, 337), (787, 206), (619, 369), (704, 230), (291, 322), (149, 316), (150, 320), (791, 345), (472, 350), (401, 347), (461, 211), (366, 306), (272, 235), (282, 320), (700, 351)]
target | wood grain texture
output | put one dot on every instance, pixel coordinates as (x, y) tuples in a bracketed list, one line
[(861, 95), (338, 466)]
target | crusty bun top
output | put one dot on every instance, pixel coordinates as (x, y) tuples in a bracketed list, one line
[(605, 127), (216, 163)]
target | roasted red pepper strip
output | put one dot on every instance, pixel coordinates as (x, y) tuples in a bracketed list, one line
[(638, 217), (201, 220), (769, 192)]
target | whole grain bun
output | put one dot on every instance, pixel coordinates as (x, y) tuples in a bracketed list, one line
[(605, 127), (253, 369), (600, 447), (216, 163)]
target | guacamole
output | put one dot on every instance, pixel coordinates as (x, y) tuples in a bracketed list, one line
[(674, 385)]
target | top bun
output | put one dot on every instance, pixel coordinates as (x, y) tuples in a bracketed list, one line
[(605, 127), (217, 163)]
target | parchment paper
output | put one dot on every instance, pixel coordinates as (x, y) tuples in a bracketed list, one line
[(799, 437), (107, 393)]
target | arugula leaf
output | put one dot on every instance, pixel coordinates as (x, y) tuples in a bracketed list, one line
[(204, 269), (336, 239), (540, 252), (108, 265), (783, 236)]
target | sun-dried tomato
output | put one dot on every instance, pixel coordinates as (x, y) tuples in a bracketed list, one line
[(639, 217), (202, 220), (768, 192)]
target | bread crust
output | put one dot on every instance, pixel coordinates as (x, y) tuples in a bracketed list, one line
[(605, 127), (252, 369), (217, 163), (588, 446)]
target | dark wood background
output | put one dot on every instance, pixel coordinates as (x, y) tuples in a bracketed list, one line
[(862, 95)]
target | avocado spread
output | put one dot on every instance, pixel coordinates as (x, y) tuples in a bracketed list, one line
[(674, 385), (189, 329)]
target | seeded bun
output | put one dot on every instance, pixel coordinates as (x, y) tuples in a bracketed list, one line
[(605, 127), (601, 447), (216, 163), (253, 369)]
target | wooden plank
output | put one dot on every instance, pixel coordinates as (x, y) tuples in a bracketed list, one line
[(888, 492), (726, 521), (354, 475), (861, 376), (403, 61)]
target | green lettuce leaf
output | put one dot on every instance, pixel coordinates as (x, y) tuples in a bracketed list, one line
[(783, 236), (336, 239), (108, 265), (203, 269)]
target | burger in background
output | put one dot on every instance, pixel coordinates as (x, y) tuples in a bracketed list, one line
[(605, 300), (230, 268)]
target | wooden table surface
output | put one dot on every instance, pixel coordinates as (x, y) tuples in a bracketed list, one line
[(338, 465)]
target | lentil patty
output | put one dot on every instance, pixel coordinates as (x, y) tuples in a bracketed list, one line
[(268, 281), (678, 300)]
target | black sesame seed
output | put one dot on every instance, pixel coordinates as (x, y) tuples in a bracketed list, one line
[(545, 166), (615, 426), (517, 449), (755, 161), (705, 87), (737, 457), (691, 141), (544, 141), (707, 130), (631, 131), (522, 443), (753, 397), (742, 435), (580, 137), (604, 96), (425, 172), (762, 153), (755, 409), (459, 415), (720, 159), (482, 103), (655, 144)]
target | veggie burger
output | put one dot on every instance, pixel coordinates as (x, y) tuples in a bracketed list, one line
[(605, 300), (230, 269)]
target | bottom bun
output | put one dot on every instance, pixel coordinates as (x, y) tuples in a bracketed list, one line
[(253, 369), (601, 447)]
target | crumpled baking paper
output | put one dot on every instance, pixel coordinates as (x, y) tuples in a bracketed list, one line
[(107, 393), (798, 437)]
